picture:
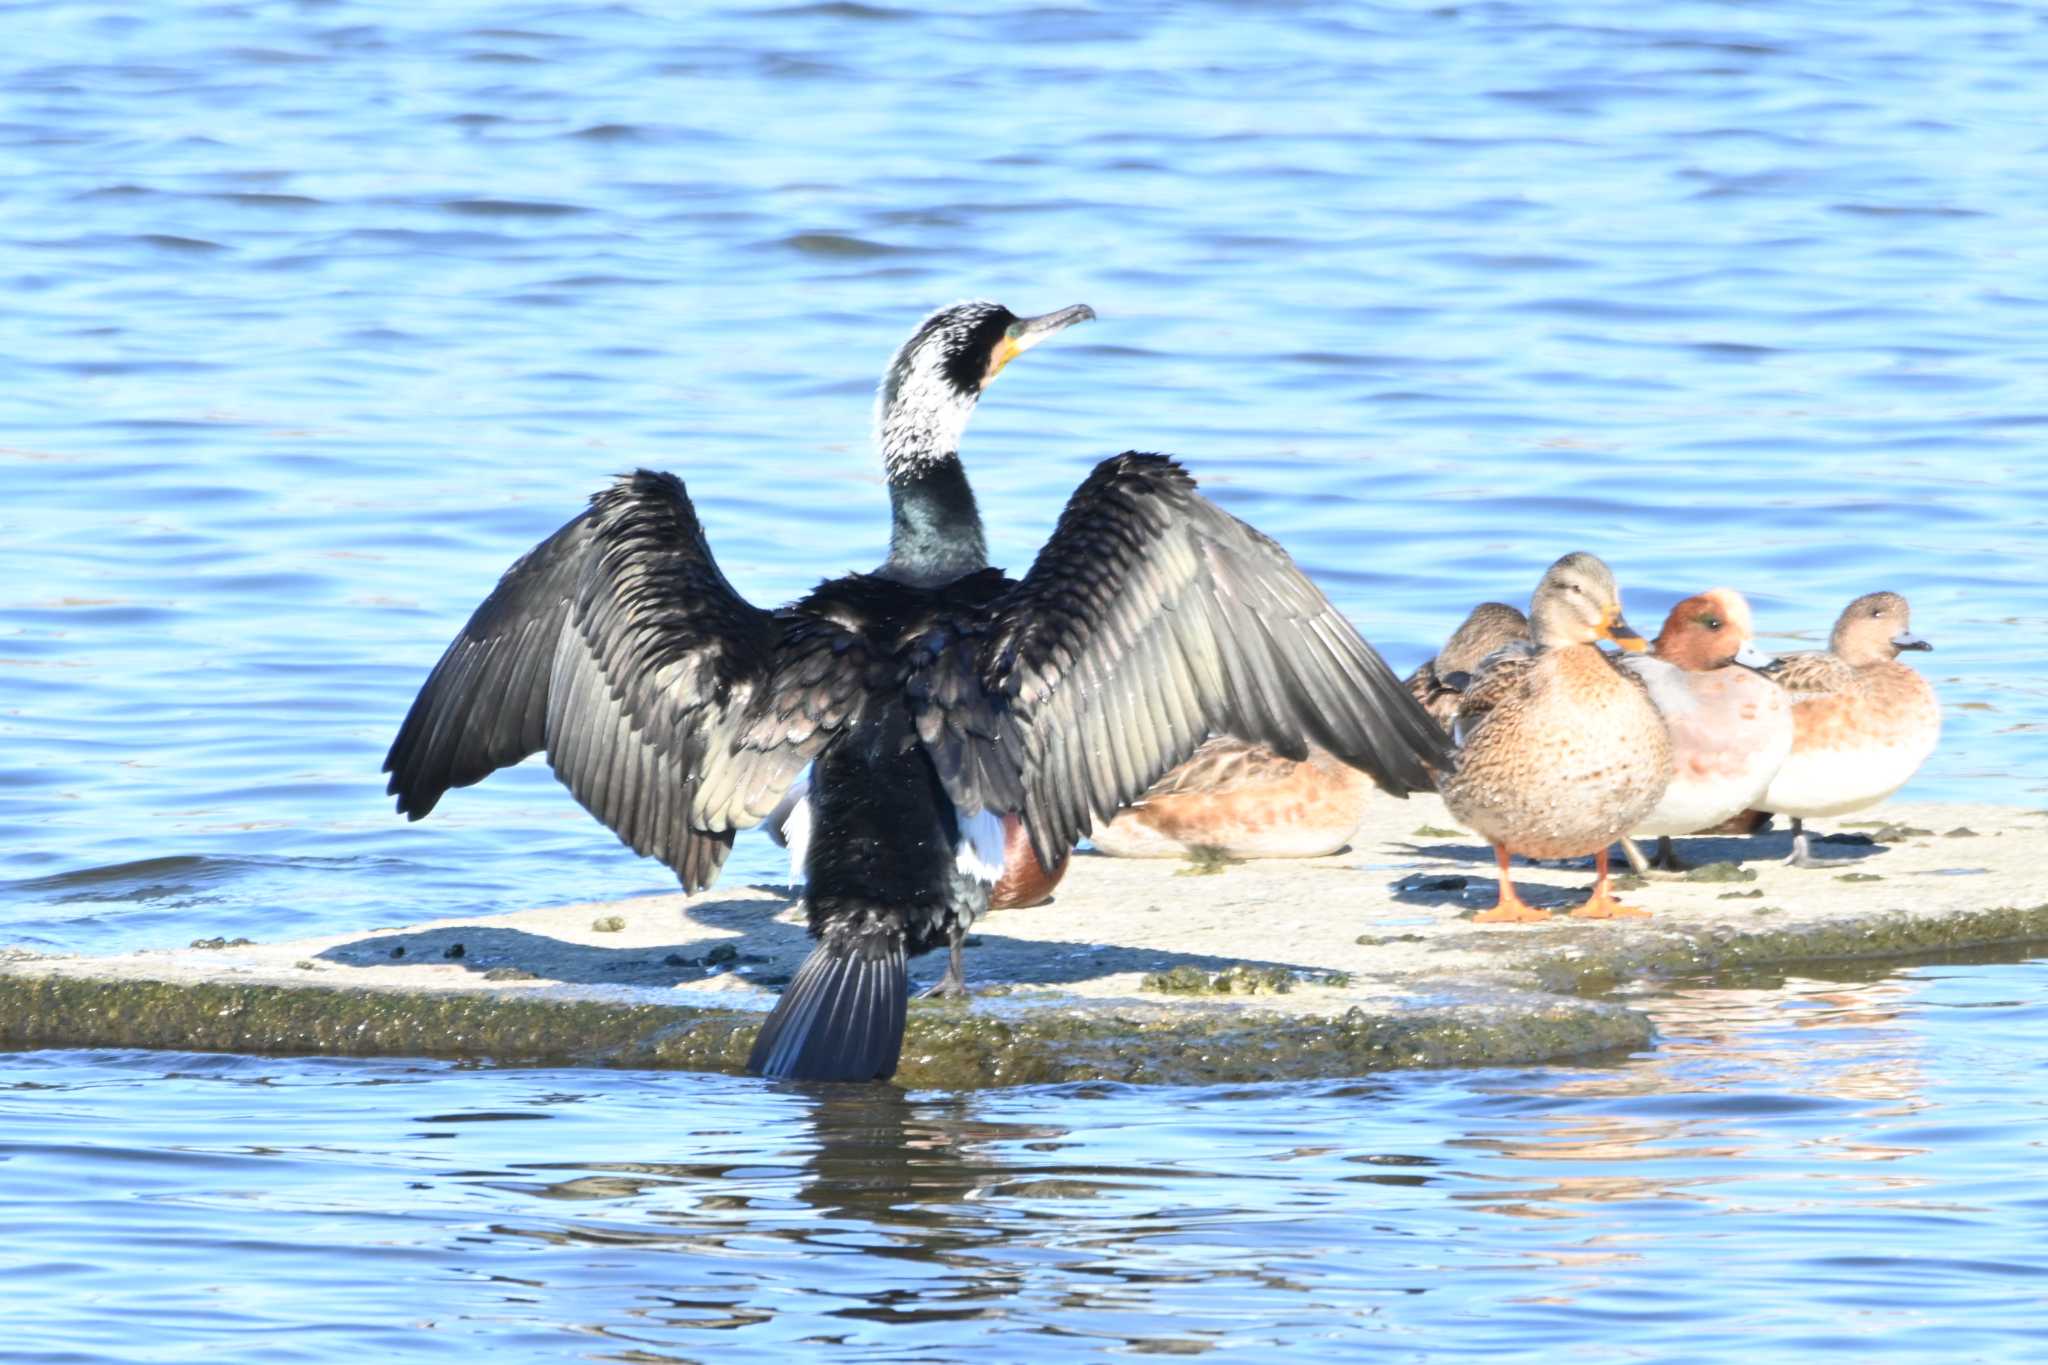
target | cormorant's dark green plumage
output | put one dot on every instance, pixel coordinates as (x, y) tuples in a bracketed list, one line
[(932, 695)]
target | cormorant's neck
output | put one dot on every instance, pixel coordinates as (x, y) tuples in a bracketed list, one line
[(936, 532)]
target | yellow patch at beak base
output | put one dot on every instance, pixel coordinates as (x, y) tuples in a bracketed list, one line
[(1005, 353)]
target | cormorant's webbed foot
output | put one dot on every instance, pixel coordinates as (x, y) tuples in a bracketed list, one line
[(953, 985)]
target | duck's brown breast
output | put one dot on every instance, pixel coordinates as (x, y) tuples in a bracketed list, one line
[(1565, 764)]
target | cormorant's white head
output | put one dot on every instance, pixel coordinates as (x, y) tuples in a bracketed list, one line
[(930, 388)]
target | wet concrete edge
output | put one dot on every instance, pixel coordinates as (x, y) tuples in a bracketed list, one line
[(1666, 951), (946, 1045), (955, 1047)]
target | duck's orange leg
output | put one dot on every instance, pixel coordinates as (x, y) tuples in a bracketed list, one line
[(1603, 905), (1510, 908)]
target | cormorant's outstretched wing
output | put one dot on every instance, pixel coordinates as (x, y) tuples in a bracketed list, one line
[(1151, 619), (676, 711)]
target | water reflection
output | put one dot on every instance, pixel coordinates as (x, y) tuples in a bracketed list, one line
[(1808, 1163), (859, 1193), (1015, 1210), (1736, 1073)]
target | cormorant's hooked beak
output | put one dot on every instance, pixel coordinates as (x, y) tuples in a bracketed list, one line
[(1906, 639), (1612, 627), (1025, 333)]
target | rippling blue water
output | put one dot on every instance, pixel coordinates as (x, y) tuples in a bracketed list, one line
[(318, 314), (1831, 1169), (321, 314)]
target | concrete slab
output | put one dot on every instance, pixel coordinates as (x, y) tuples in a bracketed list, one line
[(1138, 971)]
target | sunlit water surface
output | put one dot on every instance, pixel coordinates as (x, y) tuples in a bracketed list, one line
[(1846, 1170), (319, 314)]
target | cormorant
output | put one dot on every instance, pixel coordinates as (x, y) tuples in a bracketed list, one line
[(933, 694)]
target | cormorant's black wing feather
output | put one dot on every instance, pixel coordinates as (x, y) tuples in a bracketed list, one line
[(675, 710), (1151, 619), (484, 706)]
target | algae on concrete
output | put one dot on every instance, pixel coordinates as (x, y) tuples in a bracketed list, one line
[(953, 1049), (1721, 872), (1243, 979), (1206, 860), (1692, 950)]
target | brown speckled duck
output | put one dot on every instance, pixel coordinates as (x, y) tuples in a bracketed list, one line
[(1862, 721), (1560, 753), (1436, 684), (1244, 801)]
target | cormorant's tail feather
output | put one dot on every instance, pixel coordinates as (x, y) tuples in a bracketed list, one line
[(841, 1019)]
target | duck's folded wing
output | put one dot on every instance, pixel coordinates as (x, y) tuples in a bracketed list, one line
[(1495, 678), (674, 710), (1220, 765), (1151, 619), (1814, 673), (1431, 690)]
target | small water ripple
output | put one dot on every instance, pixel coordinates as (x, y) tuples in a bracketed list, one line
[(1810, 1162), (326, 314)]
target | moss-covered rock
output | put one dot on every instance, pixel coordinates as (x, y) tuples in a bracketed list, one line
[(1664, 950), (1205, 860), (984, 1046), (1721, 872)]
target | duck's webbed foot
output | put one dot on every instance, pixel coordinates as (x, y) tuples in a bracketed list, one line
[(1602, 904), (1509, 908), (1802, 851)]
